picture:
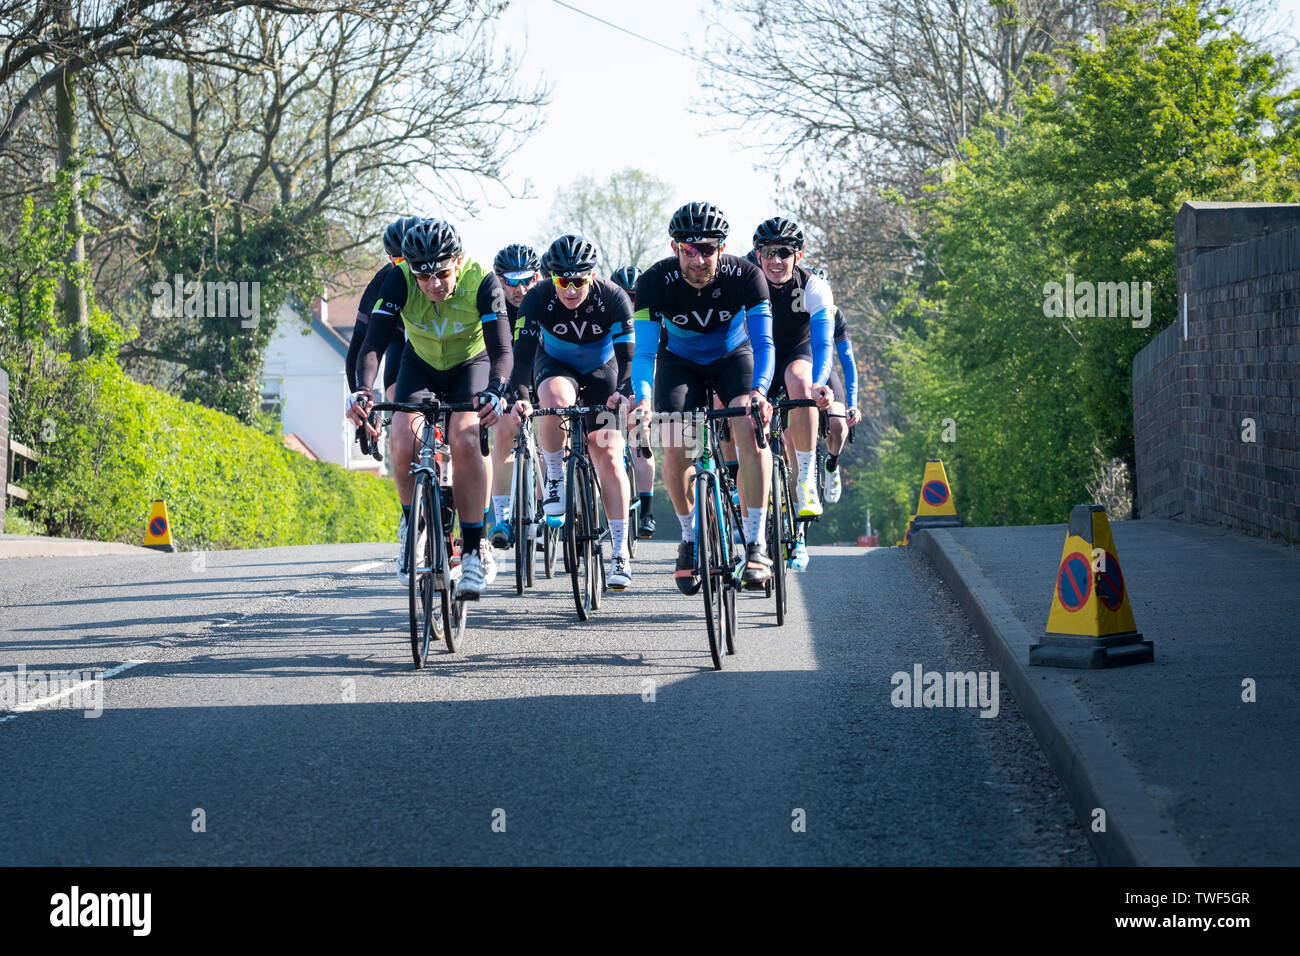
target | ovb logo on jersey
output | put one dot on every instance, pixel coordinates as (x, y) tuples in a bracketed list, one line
[(701, 321)]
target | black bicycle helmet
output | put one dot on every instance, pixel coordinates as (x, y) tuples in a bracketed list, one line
[(394, 233), (516, 257), (625, 278), (570, 256), (697, 221), (429, 242), (752, 256), (778, 231)]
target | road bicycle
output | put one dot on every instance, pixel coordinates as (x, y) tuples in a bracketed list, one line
[(531, 534), (430, 534), (719, 563), (584, 530)]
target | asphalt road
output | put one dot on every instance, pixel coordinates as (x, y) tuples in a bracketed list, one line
[(275, 704)]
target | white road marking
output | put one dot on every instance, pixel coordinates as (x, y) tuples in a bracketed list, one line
[(365, 567), (45, 701)]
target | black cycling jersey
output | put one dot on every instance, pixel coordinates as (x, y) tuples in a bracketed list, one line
[(803, 311), (702, 325), (368, 299), (583, 339)]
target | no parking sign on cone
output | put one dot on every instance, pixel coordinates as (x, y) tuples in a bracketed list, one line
[(1090, 623)]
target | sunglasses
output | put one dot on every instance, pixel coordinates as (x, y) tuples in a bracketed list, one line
[(702, 249), (776, 252), (514, 279), (442, 274), (574, 282)]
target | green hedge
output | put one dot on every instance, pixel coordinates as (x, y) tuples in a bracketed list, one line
[(226, 485)]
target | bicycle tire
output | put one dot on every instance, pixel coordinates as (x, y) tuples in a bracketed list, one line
[(594, 507), (633, 504), (726, 538), (550, 540), (450, 606), (708, 553), (534, 507), (776, 523), (519, 522), (577, 545), (420, 570)]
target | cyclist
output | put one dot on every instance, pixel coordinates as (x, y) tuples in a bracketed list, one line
[(845, 403), (458, 347), (644, 466), (393, 353), (714, 309), (803, 318), (581, 353), (517, 268)]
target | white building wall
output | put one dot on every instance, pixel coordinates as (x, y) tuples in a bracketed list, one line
[(308, 373)]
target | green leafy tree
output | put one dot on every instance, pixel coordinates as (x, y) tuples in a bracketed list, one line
[(1172, 107)]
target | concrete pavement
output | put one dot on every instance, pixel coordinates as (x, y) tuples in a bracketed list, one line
[(1187, 770)]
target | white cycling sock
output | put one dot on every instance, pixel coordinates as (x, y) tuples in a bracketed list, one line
[(554, 464), (501, 505), (756, 525), (807, 462), (688, 526), (618, 536)]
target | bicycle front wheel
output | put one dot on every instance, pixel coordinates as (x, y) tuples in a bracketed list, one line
[(777, 520), (524, 545), (577, 541), (708, 548), (420, 568)]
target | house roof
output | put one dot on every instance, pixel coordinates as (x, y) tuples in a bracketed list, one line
[(294, 443), (331, 335)]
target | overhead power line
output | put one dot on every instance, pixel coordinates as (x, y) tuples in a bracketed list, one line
[(633, 33)]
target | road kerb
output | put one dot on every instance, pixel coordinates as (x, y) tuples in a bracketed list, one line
[(1077, 746)]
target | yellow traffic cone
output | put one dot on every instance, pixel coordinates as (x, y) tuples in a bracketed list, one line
[(935, 508), (158, 532), (1090, 623)]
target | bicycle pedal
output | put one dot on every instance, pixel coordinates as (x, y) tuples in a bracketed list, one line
[(466, 596)]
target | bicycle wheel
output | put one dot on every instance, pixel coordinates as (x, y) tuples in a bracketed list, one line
[(451, 608), (550, 541), (420, 565), (777, 506), (708, 550), (524, 545), (597, 524), (534, 508), (634, 502), (729, 578), (577, 543)]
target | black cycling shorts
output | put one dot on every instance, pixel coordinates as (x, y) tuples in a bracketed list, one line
[(681, 384), (836, 382), (802, 350), (593, 388), (455, 385)]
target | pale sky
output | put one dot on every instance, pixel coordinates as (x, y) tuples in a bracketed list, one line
[(619, 101)]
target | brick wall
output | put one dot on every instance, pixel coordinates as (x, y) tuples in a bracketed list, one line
[(1195, 395), (4, 443)]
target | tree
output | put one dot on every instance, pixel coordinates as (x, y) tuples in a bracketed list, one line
[(271, 147), (1175, 106), (626, 216)]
